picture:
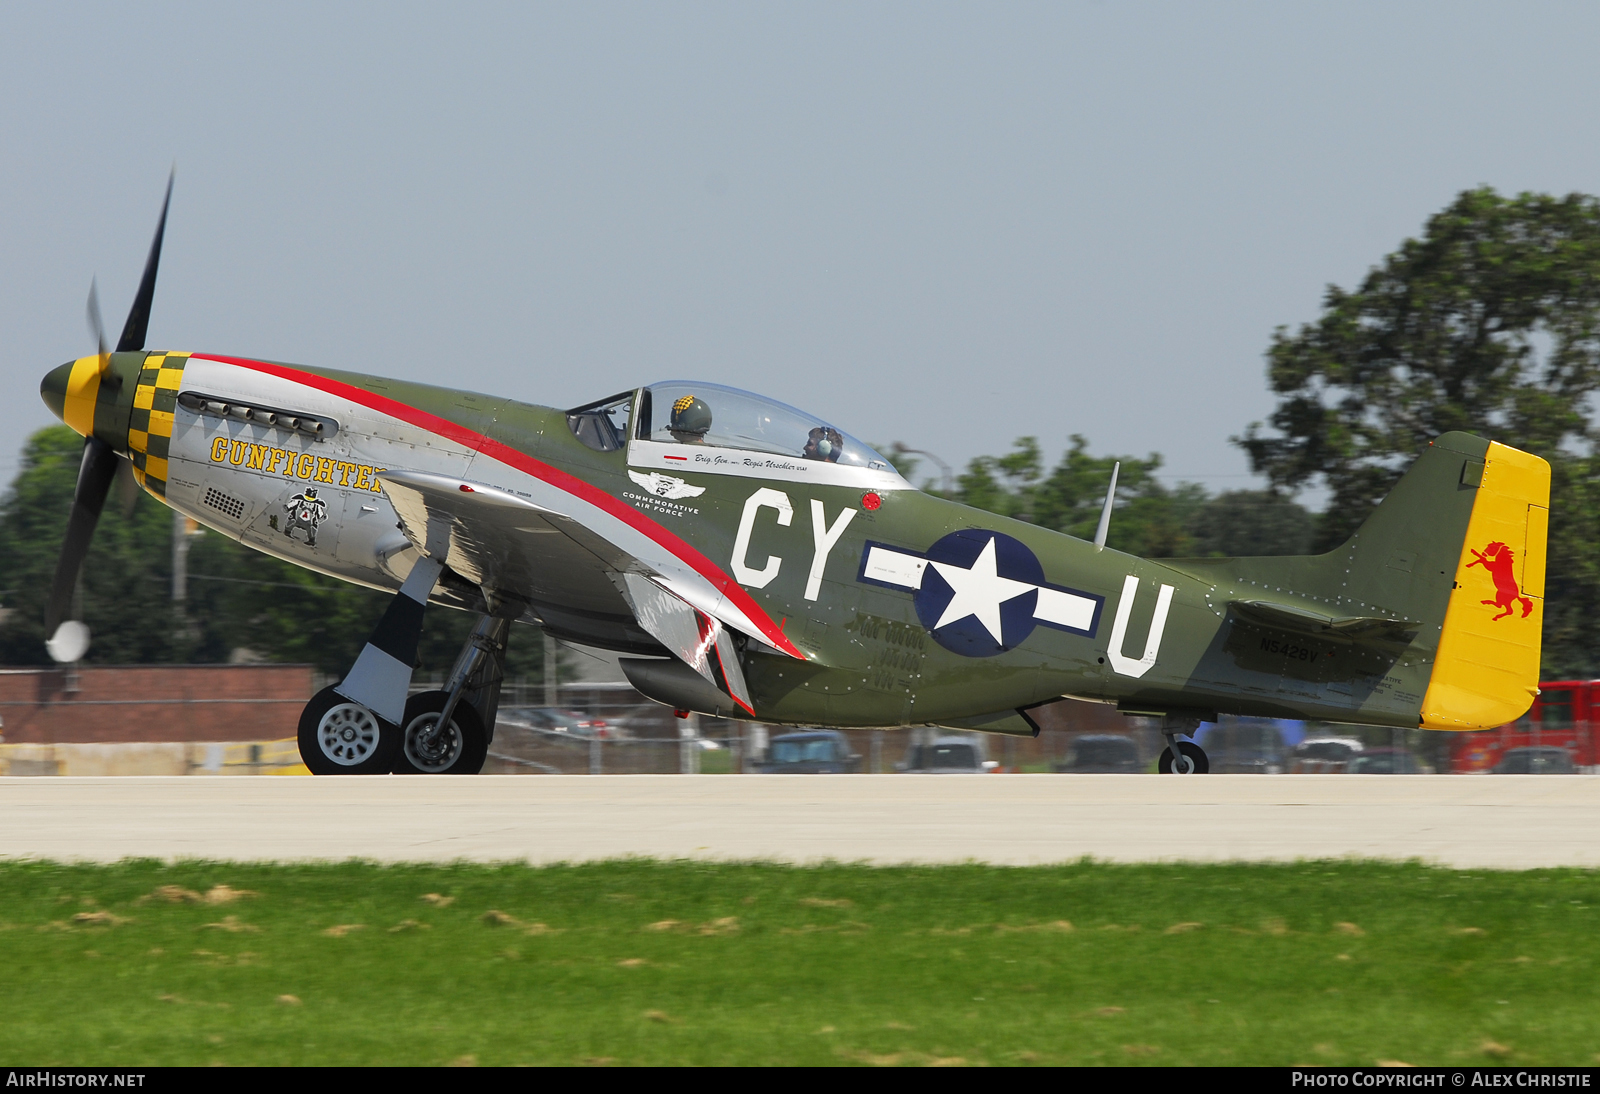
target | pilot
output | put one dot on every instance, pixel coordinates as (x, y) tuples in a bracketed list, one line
[(824, 443), (691, 421)]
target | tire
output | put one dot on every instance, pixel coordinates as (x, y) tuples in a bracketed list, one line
[(339, 737), (461, 750), (1194, 752)]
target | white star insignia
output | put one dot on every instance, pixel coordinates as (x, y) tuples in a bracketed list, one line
[(979, 592)]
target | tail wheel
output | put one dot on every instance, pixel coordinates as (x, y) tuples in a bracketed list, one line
[(339, 737), (458, 749), (1194, 760)]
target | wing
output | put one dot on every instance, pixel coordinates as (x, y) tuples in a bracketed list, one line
[(545, 552)]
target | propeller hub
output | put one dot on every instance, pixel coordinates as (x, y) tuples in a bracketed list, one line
[(94, 396), (53, 389), (71, 390)]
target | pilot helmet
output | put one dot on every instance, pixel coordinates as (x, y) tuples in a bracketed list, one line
[(824, 443), (690, 415)]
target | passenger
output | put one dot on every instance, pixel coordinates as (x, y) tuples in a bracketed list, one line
[(824, 443), (691, 421)]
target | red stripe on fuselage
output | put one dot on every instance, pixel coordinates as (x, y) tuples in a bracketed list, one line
[(521, 461)]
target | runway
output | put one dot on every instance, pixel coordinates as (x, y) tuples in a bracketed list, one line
[(1508, 822)]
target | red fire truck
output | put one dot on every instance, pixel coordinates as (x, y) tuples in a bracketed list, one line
[(1563, 716)]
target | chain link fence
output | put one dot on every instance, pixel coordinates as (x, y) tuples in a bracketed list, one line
[(608, 728), (611, 729)]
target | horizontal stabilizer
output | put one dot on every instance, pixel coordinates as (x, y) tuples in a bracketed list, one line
[(1309, 621)]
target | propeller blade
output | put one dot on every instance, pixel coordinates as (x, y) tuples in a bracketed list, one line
[(97, 325), (138, 324), (127, 487), (68, 639), (94, 482)]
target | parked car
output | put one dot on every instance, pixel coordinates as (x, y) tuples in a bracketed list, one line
[(1103, 753), (1386, 761), (818, 752), (1322, 755), (1244, 746), (1543, 760), (947, 756), (573, 723)]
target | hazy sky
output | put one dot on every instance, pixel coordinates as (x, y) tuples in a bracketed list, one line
[(946, 225)]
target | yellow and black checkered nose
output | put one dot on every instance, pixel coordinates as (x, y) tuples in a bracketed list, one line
[(155, 401)]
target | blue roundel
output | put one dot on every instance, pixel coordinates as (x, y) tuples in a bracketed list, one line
[(979, 592)]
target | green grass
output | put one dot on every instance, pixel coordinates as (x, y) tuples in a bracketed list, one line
[(640, 962)]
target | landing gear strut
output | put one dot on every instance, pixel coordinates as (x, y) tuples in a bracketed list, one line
[(1181, 757), (426, 749), (365, 725), (444, 732)]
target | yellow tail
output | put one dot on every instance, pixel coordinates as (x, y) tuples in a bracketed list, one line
[(1486, 672)]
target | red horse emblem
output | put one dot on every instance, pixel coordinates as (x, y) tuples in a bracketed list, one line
[(1497, 558)]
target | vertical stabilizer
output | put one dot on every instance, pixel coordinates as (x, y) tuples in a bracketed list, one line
[(1486, 671), (1440, 592)]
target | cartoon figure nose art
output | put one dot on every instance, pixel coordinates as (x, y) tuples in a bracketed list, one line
[(306, 511)]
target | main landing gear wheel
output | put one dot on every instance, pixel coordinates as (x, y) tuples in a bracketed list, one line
[(338, 737), (1192, 761), (459, 749)]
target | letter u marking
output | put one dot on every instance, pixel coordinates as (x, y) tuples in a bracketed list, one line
[(1128, 666)]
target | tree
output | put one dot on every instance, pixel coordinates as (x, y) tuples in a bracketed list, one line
[(1252, 522), (124, 583), (1004, 484), (1489, 323), (1151, 520)]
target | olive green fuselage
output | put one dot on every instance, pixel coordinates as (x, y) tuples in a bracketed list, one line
[(1153, 637)]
